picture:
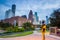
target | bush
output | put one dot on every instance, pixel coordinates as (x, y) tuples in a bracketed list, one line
[(21, 29), (9, 29), (14, 29), (48, 25), (28, 26), (5, 25)]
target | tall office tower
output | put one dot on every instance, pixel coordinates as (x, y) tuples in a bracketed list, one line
[(47, 20), (11, 12), (13, 9), (8, 14), (36, 16), (36, 20), (30, 16)]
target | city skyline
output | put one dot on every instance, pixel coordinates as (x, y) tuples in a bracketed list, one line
[(42, 7)]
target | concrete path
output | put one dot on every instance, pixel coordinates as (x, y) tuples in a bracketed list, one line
[(34, 36)]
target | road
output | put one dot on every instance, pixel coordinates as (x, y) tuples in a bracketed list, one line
[(34, 36)]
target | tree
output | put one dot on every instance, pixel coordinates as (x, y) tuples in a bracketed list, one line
[(28, 26), (55, 18), (5, 25)]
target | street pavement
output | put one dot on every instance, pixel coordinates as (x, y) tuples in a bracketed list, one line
[(35, 36)]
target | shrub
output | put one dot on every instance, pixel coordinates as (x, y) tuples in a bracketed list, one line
[(28, 26), (21, 29), (9, 29), (14, 29), (48, 25)]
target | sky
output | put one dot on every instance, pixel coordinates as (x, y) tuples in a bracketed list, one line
[(42, 7)]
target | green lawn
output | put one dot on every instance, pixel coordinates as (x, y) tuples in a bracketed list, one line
[(19, 34)]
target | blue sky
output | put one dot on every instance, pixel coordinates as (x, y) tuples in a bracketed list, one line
[(42, 7)]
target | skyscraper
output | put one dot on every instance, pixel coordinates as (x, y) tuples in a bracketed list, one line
[(30, 16), (47, 20), (36, 16), (10, 12), (36, 20), (6, 14), (13, 9)]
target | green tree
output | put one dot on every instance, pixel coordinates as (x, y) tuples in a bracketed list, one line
[(5, 25), (55, 18), (28, 26)]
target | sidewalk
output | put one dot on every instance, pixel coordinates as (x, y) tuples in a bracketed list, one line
[(55, 37), (51, 36)]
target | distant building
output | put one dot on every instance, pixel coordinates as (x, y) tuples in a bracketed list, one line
[(13, 9), (24, 16), (11, 12), (36, 19), (16, 19), (8, 14), (30, 16), (47, 20)]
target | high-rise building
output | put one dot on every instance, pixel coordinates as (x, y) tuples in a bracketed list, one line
[(30, 16), (13, 9), (47, 20), (6, 14), (36, 19), (11, 12), (36, 16)]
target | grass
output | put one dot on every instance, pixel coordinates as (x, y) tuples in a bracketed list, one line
[(19, 34)]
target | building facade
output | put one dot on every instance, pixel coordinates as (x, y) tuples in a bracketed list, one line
[(17, 19), (30, 16)]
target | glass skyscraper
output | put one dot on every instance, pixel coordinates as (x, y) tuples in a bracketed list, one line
[(36, 16), (10, 12), (13, 9)]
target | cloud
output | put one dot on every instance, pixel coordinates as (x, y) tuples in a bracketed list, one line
[(51, 6), (43, 7), (2, 11)]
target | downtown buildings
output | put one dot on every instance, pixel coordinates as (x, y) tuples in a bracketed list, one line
[(12, 19), (34, 18)]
